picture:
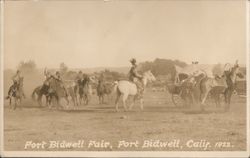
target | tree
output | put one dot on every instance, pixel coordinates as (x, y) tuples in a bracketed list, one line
[(162, 66), (29, 66)]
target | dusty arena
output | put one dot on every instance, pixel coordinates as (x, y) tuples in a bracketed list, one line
[(160, 120)]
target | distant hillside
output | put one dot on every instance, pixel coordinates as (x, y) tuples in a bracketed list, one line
[(123, 70)]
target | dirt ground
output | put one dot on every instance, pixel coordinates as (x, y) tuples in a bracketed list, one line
[(160, 120)]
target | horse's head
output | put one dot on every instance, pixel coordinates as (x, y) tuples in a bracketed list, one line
[(148, 75)]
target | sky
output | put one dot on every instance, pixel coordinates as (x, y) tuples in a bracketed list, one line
[(107, 34)]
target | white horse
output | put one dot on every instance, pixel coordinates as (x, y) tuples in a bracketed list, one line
[(127, 88)]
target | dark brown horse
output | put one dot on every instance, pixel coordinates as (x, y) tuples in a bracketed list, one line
[(102, 90), (43, 90), (85, 90)]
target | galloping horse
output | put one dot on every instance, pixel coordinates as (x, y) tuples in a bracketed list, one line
[(127, 88), (16, 92)]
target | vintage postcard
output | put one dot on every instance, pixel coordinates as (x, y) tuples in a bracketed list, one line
[(124, 78)]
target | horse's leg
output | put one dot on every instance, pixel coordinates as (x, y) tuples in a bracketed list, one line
[(116, 101), (229, 99), (74, 101), (58, 103), (39, 100), (219, 105), (67, 100), (124, 99), (15, 104), (85, 99), (227, 96), (80, 99), (141, 103), (20, 102), (133, 103), (10, 102), (203, 100), (218, 100), (103, 99), (51, 100), (48, 100), (88, 98)]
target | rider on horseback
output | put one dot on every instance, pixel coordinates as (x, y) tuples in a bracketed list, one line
[(135, 77), (46, 85), (59, 79), (16, 83)]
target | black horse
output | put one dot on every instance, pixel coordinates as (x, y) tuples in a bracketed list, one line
[(44, 90)]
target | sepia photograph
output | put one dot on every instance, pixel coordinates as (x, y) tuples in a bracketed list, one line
[(124, 78)]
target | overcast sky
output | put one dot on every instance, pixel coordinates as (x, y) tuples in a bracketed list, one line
[(97, 33)]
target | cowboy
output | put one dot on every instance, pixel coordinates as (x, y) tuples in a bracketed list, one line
[(134, 76), (16, 82)]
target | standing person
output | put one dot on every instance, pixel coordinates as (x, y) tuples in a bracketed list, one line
[(134, 76)]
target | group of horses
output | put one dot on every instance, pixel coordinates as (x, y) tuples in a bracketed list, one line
[(55, 90), (81, 93), (198, 91)]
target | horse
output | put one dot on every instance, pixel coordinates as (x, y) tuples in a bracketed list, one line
[(85, 91), (73, 94), (102, 90), (57, 87), (43, 90), (207, 84), (216, 94), (16, 92), (127, 88), (231, 77)]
